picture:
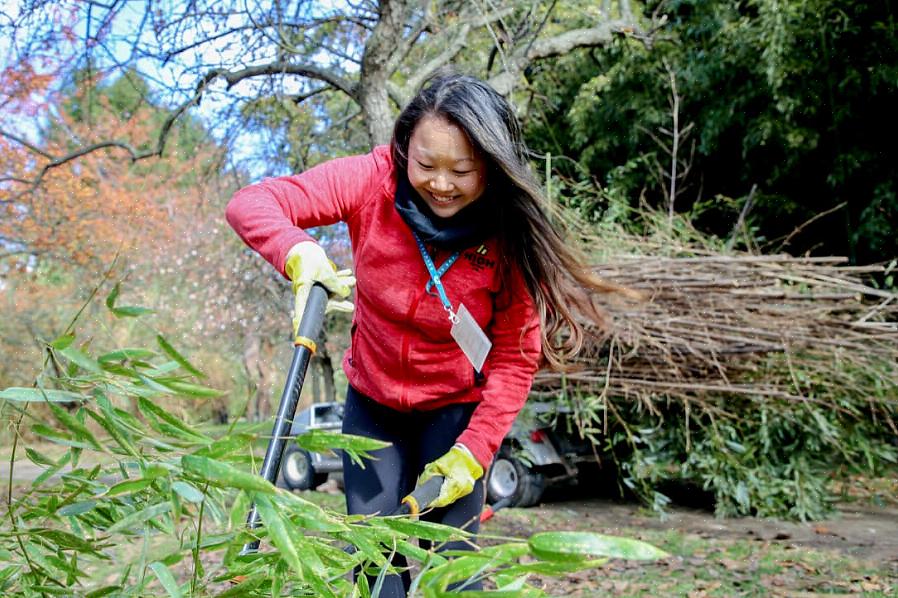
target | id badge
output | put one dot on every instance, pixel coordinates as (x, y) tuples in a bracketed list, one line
[(472, 340)]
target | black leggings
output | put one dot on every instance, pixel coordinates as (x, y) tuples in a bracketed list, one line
[(417, 438)]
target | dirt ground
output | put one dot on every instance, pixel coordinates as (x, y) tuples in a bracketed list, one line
[(855, 552), (856, 530)]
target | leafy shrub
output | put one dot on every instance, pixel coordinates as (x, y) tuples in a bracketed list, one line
[(142, 502)]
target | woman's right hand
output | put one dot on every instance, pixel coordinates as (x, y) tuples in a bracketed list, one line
[(307, 264)]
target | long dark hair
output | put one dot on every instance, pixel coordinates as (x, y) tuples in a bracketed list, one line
[(562, 286)]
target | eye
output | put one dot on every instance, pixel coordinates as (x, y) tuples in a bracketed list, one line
[(424, 166), (462, 172)]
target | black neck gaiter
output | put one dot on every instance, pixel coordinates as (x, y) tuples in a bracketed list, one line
[(470, 226)]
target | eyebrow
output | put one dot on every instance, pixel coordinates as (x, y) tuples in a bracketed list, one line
[(427, 155)]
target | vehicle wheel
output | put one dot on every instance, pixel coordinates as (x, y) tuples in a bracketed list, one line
[(511, 479), (297, 470)]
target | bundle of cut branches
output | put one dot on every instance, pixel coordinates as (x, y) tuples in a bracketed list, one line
[(761, 327)]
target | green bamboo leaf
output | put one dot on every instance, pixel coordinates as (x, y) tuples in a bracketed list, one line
[(63, 341), (216, 540), (453, 570), (225, 475), (420, 529), (406, 548), (188, 491), (78, 429), (152, 411), (464, 564), (58, 437), (7, 572), (554, 568), (113, 295), (77, 508), (140, 517), (104, 591), (130, 311), (279, 534), (362, 586), (120, 419), (174, 354), (128, 487), (163, 368), (126, 354), (308, 515), (322, 440), (158, 470), (65, 540), (153, 385), (245, 587), (81, 359), (227, 446), (166, 579), (335, 557), (367, 548), (120, 437), (237, 514), (38, 458), (54, 468), (509, 583), (38, 395), (187, 389), (573, 546)]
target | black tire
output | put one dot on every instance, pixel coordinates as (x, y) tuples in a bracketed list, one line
[(511, 479), (297, 471)]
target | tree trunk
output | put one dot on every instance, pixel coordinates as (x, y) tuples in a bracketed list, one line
[(257, 383), (373, 95), (327, 373)]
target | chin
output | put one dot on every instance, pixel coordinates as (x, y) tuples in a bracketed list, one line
[(444, 211)]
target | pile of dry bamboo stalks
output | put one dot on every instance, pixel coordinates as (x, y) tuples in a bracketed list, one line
[(714, 327)]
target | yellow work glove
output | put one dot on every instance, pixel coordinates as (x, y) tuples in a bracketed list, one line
[(307, 264), (460, 470)]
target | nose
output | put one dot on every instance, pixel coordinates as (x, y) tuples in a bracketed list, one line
[(440, 182)]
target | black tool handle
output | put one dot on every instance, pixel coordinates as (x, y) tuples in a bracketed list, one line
[(423, 495), (309, 327)]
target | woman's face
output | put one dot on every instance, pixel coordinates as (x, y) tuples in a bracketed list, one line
[(443, 166)]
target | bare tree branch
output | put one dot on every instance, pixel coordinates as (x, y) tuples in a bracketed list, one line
[(451, 49), (278, 68), (278, 42), (557, 45), (25, 143)]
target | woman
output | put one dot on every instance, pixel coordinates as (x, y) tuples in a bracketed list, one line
[(463, 285)]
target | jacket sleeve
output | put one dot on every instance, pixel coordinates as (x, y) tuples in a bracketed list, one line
[(512, 364), (270, 216)]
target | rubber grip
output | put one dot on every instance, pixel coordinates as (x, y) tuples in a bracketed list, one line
[(421, 498)]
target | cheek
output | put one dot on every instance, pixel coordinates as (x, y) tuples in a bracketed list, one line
[(414, 177), (475, 186)]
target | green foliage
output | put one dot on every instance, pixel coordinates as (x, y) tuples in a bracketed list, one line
[(794, 97), (764, 457), (142, 502), (753, 455)]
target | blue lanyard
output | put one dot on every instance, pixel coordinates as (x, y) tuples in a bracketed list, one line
[(436, 274)]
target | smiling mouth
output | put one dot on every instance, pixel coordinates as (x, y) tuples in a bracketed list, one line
[(443, 198)]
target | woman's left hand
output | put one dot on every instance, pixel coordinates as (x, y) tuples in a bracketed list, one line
[(460, 470)]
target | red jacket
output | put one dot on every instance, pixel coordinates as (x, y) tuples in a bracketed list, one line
[(401, 352)]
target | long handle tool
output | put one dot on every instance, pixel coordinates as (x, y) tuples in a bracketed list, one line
[(305, 346)]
